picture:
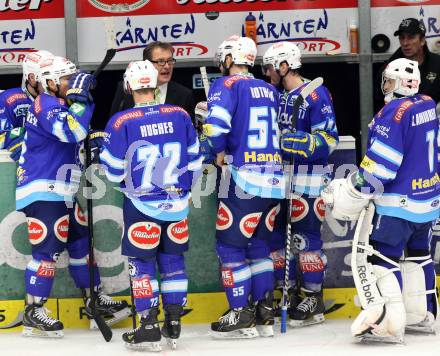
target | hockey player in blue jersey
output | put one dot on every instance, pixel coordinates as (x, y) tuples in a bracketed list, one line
[(400, 171), (310, 143), (47, 180), (153, 151), (243, 132), (15, 103)]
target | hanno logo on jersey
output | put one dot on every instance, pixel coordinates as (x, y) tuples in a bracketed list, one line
[(61, 228), (319, 208), (300, 209), (178, 232), (37, 231), (120, 6), (270, 218), (144, 235), (224, 217), (249, 223)]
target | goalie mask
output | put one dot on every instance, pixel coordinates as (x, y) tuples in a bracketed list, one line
[(401, 77), (54, 69), (140, 75)]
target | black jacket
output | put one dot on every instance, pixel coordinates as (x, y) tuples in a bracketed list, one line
[(429, 74), (177, 94)]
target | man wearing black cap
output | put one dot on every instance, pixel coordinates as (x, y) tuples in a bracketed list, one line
[(413, 46)]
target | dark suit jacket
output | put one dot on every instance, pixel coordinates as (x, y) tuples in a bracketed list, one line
[(177, 94)]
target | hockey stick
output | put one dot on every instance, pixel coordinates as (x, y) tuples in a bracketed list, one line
[(305, 92)]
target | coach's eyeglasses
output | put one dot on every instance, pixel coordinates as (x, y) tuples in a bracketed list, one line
[(162, 62)]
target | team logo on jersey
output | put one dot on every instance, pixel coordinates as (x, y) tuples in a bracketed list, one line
[(37, 230), (46, 269), (61, 228), (249, 223), (120, 6), (270, 218), (311, 262), (178, 232), (144, 235), (300, 209), (319, 208), (142, 287), (227, 278), (224, 217), (80, 217)]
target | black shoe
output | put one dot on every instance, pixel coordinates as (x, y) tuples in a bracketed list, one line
[(236, 323), (36, 322), (171, 327), (147, 334), (265, 315), (309, 311)]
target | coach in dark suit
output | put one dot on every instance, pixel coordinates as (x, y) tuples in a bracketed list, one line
[(168, 91)]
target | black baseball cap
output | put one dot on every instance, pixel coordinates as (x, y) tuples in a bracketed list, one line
[(411, 26)]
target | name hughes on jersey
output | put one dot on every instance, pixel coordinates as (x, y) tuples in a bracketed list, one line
[(160, 128)]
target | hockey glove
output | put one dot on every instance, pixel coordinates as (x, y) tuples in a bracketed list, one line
[(80, 84), (14, 142), (97, 139), (206, 150), (298, 144)]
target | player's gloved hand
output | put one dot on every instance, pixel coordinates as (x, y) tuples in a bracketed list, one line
[(97, 139), (80, 85), (206, 149), (14, 142), (201, 113), (298, 144)]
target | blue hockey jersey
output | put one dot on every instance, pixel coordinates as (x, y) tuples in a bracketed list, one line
[(316, 116), (402, 153), (153, 151), (47, 169), (242, 122), (14, 105)]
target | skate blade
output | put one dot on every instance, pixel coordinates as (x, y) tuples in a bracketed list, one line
[(248, 333), (420, 329), (29, 331), (265, 330), (116, 318), (145, 346), (172, 343), (316, 319), (372, 339)]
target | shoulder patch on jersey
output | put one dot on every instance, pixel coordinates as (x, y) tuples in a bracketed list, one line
[(401, 110), (128, 116), (171, 109), (14, 97), (228, 83)]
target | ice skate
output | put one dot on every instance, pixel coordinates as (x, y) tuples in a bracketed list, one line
[(37, 323), (111, 310), (172, 326), (238, 323), (426, 326), (265, 316), (147, 335), (310, 311)]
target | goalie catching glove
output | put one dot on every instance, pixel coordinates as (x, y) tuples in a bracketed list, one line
[(80, 85), (345, 201)]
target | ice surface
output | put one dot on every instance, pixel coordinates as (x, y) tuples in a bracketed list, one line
[(329, 339)]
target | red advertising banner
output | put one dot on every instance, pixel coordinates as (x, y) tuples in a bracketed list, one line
[(99, 8), (31, 9)]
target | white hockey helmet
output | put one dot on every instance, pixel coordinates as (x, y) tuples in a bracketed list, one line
[(140, 75), (283, 52), (406, 74), (243, 50), (54, 69), (31, 64)]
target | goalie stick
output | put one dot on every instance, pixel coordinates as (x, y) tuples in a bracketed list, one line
[(305, 92)]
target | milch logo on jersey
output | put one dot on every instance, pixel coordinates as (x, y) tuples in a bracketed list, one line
[(37, 231), (144, 235), (300, 208), (178, 232), (224, 217), (61, 228), (249, 223)]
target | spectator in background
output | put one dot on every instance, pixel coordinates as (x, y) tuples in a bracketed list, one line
[(413, 46), (168, 91)]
